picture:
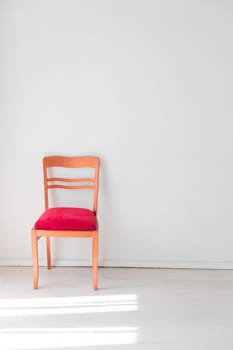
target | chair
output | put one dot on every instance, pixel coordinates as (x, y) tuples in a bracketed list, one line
[(67, 221)]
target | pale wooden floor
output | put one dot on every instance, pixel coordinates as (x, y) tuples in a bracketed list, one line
[(134, 309)]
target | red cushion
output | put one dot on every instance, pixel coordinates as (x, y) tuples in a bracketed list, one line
[(67, 219)]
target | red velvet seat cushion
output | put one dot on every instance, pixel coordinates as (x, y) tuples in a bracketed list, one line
[(67, 219)]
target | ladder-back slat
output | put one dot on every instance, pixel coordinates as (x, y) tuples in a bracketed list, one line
[(80, 187), (62, 179)]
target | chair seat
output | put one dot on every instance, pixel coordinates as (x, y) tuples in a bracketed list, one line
[(67, 219)]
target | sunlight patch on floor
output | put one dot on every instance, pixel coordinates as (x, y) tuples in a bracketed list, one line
[(55, 338), (68, 305)]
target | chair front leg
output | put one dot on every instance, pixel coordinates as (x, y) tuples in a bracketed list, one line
[(95, 259), (35, 258)]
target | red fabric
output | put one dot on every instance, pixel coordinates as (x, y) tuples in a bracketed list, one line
[(67, 219)]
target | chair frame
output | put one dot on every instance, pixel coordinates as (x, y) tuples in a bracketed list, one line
[(36, 234)]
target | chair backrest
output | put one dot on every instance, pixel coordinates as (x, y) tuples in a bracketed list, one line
[(67, 183)]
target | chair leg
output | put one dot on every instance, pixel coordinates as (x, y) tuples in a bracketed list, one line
[(95, 260), (35, 258), (48, 252)]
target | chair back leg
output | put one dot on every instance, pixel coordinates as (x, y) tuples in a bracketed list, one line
[(48, 248)]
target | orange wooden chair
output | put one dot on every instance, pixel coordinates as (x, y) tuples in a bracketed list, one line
[(66, 221)]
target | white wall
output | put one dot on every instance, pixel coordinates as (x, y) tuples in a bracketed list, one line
[(145, 85)]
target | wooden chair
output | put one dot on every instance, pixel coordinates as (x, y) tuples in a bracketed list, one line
[(66, 221)]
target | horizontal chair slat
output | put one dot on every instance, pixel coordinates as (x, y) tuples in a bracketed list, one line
[(61, 179), (87, 187)]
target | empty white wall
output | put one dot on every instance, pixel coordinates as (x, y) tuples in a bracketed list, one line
[(145, 85)]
